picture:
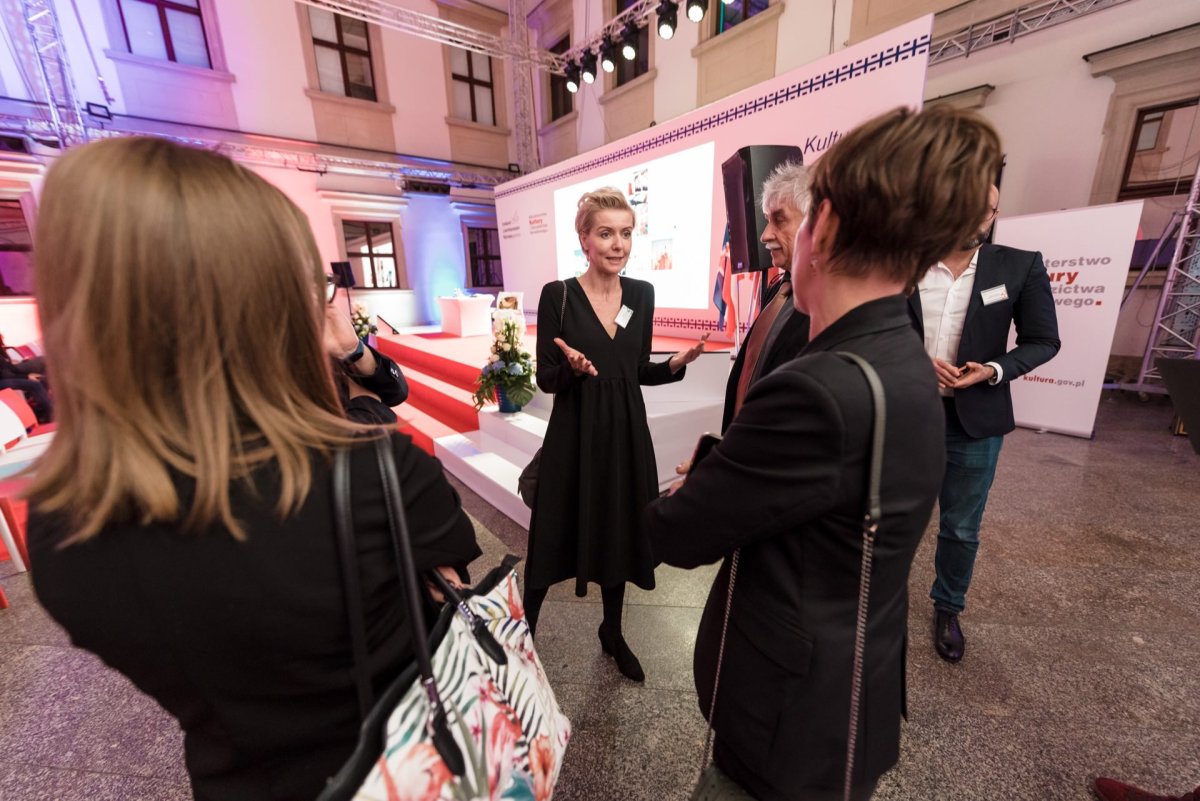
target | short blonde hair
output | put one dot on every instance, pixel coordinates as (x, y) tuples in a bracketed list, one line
[(607, 198), (907, 187), (181, 299)]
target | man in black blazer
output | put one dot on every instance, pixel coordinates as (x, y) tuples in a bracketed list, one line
[(781, 330), (963, 310)]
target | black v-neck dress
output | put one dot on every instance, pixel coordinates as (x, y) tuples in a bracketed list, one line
[(597, 471)]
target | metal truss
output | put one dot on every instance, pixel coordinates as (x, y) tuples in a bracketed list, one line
[(390, 15), (405, 20), (1176, 330), (1012, 26), (54, 77), (522, 94), (281, 155)]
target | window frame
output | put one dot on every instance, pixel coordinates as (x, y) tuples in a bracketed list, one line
[(474, 259), (471, 81), (370, 256), (165, 29), (342, 48), (558, 83), (1172, 186), (719, 16)]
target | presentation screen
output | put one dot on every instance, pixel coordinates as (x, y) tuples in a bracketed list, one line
[(671, 175), (672, 199)]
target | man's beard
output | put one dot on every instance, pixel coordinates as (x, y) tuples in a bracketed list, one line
[(975, 241)]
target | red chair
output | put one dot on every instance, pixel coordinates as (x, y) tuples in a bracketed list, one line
[(3, 600)]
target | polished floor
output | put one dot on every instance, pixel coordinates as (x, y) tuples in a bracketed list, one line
[(1083, 632)]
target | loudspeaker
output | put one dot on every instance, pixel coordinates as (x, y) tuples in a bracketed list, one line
[(343, 276), (743, 174)]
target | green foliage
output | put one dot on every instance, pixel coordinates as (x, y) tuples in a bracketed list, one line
[(509, 366)]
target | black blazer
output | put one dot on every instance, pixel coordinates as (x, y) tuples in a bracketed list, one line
[(792, 337), (983, 409), (787, 485)]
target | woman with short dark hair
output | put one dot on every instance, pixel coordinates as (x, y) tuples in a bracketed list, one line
[(786, 489)]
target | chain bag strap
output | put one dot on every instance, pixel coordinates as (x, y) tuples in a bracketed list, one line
[(869, 530)]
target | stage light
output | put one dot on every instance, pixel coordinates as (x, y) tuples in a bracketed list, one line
[(629, 38), (587, 66), (572, 71), (608, 55), (667, 18), (696, 9), (728, 2)]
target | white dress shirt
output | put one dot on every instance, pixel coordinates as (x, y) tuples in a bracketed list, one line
[(944, 301)]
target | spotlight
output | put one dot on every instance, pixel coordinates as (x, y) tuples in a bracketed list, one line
[(696, 9), (629, 38), (728, 2), (667, 18), (572, 70), (587, 66), (608, 54)]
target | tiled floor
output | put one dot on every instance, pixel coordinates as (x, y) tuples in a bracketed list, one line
[(1083, 632)]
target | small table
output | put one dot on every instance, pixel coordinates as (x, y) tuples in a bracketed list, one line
[(467, 316)]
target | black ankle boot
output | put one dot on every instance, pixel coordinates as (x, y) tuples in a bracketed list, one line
[(615, 646)]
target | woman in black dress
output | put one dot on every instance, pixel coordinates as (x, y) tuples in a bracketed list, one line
[(597, 469)]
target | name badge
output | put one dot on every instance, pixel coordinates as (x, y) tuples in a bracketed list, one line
[(994, 295), (623, 316)]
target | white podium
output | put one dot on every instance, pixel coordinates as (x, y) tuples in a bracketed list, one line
[(467, 316)]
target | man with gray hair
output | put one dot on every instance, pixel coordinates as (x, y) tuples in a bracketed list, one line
[(779, 331)]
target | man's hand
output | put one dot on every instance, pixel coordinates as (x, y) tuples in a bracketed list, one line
[(686, 357), (973, 373), (451, 577), (947, 373), (579, 363)]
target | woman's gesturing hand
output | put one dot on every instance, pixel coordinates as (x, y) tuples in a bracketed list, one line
[(579, 363), (686, 357)]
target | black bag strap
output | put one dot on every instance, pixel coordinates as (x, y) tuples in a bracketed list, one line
[(351, 585), (437, 725), (869, 530)]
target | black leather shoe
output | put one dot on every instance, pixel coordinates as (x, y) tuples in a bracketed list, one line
[(947, 636), (615, 646)]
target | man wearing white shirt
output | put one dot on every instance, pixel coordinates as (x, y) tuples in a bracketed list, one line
[(963, 309)]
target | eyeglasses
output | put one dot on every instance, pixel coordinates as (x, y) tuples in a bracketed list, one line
[(330, 288)]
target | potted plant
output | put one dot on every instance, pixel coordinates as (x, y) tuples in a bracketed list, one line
[(508, 374)]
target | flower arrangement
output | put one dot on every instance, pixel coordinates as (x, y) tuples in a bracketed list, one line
[(509, 367), (362, 322)]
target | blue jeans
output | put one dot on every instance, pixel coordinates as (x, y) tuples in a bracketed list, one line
[(970, 468)]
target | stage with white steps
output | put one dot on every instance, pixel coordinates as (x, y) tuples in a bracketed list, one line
[(490, 460)]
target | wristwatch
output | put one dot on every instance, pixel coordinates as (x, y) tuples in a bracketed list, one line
[(359, 350)]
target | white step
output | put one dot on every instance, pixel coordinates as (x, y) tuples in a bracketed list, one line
[(486, 472), (522, 431)]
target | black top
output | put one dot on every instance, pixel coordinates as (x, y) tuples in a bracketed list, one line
[(247, 643), (788, 485), (792, 337), (985, 410), (597, 470)]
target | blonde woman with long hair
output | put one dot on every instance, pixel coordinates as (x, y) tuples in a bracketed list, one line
[(181, 524)]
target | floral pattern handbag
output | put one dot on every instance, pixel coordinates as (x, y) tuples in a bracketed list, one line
[(475, 717)]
